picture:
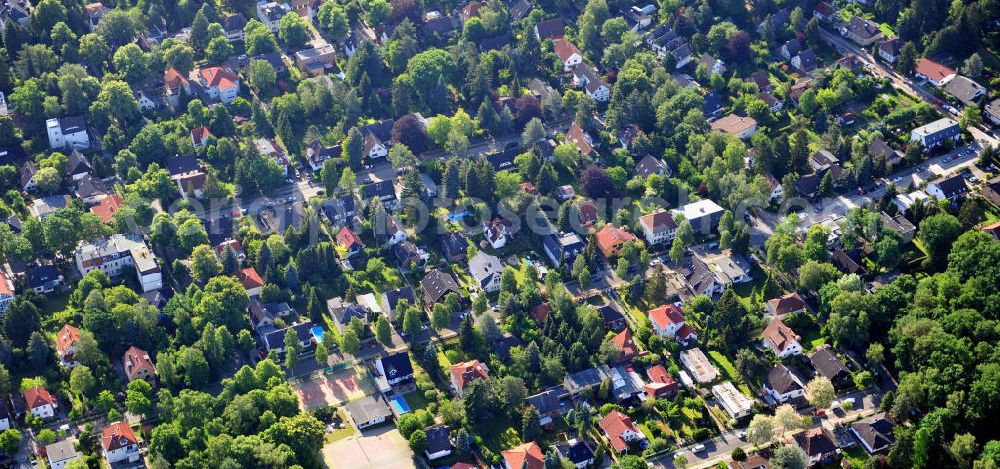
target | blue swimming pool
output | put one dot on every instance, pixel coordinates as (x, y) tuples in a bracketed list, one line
[(399, 405)]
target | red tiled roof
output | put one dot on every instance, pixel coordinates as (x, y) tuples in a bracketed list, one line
[(250, 278), (466, 372), (610, 237), (5, 288), (200, 134), (626, 343), (993, 228), (37, 397), (824, 9), (526, 456), (582, 140), (778, 336), (173, 78), (613, 425), (117, 435), (786, 303), (686, 331), (106, 208), (660, 381), (67, 336), (933, 70), (233, 243), (347, 238), (666, 315), (135, 360), (564, 49), (218, 77)]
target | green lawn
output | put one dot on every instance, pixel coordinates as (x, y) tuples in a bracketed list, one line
[(342, 433), (728, 370), (745, 290), (416, 400)]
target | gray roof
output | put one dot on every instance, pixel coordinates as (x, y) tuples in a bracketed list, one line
[(483, 267), (780, 379), (368, 408), (546, 401), (62, 451), (964, 89), (90, 186), (863, 28), (586, 379), (953, 186), (876, 431), (438, 438), (826, 363)]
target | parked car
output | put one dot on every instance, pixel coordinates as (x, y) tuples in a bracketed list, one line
[(698, 448)]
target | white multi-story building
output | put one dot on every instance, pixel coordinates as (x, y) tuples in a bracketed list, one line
[(118, 252), (68, 132), (118, 443), (270, 13)]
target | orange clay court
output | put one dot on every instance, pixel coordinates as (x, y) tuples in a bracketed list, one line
[(333, 389)]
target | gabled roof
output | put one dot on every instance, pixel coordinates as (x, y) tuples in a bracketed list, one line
[(865, 29), (106, 208), (553, 28), (826, 363), (779, 336), (436, 284), (613, 425), (815, 441), (465, 372), (438, 439), (218, 77), (876, 431), (136, 360), (665, 315), (546, 401), (66, 338), (177, 165), (37, 397), (610, 236), (780, 379), (526, 456), (200, 134), (933, 70), (952, 186), (347, 238), (626, 343), (250, 279), (397, 365), (584, 142), (787, 303), (565, 49), (658, 221), (77, 163), (172, 78)]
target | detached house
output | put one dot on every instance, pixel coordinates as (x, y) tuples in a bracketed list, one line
[(349, 242), (862, 32), (965, 90), (66, 341), (781, 339), (875, 433), (568, 53), (781, 384), (218, 83), (949, 188), (889, 49), (818, 444), (583, 141), (660, 382), (119, 443), (740, 126), (789, 303), (486, 270), (620, 431), (396, 368), (586, 76), (526, 456), (562, 248), (436, 285), (550, 29), (668, 321), (495, 233), (714, 65), (68, 132), (935, 73), (41, 403), (827, 364), (6, 292), (658, 227), (626, 343), (466, 372), (174, 85), (937, 132), (138, 365), (118, 254), (611, 239)]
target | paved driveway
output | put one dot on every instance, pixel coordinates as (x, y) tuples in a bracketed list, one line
[(382, 448)]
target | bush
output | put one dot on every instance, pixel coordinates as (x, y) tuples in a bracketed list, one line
[(701, 433), (739, 455), (658, 445)]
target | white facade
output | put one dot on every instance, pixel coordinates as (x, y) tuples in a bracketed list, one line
[(118, 252), (72, 137), (44, 411), (732, 400), (128, 453)]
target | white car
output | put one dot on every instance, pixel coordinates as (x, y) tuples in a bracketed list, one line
[(698, 448), (655, 262)]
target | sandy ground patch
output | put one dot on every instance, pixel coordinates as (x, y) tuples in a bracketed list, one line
[(383, 448)]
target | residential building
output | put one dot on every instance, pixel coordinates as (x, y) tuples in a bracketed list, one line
[(714, 106), (90, 190), (175, 85), (583, 140), (7, 294), (703, 215), (790, 48), (218, 83), (568, 53), (668, 321), (740, 126), (562, 248), (389, 301), (139, 365), (992, 229), (991, 190), (827, 364), (577, 452), (713, 64), (233, 25), (378, 138), (495, 232), (805, 61), (251, 281), (965, 90), (658, 227), (818, 443), (862, 31), (992, 111), (61, 453), (781, 339), (486, 270), (270, 13), (823, 11), (368, 411), (27, 176), (343, 312), (732, 400), (317, 59), (77, 166), (41, 403), (650, 165), (66, 340), (349, 242), (626, 344), (900, 225), (339, 210), (396, 368), (274, 340), (466, 372), (547, 404), (698, 364), (935, 133), (119, 443), (781, 384), (935, 73), (120, 253), (789, 303), (611, 239), (67, 132), (526, 456), (585, 380), (620, 431), (438, 442), (586, 76), (949, 188), (875, 433), (889, 49), (43, 278), (660, 382), (436, 285)]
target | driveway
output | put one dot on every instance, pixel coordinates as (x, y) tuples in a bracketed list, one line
[(383, 448)]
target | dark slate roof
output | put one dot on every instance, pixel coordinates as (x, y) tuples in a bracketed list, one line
[(437, 284), (182, 164), (826, 363), (503, 160), (235, 22), (610, 314), (276, 339), (545, 401), (577, 452), (438, 439), (381, 189), (494, 43), (953, 186), (781, 380), (454, 244), (77, 163), (41, 275), (876, 431), (90, 186), (713, 104), (397, 365), (519, 10), (807, 60), (393, 297)]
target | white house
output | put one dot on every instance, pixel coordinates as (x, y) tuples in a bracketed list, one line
[(620, 431), (6, 292), (219, 83), (732, 400), (270, 13), (658, 227), (68, 132), (568, 53), (781, 384), (495, 233), (486, 269), (781, 339), (118, 252), (937, 132), (62, 453), (41, 403), (118, 443)]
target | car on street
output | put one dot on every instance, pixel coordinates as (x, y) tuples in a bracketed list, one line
[(698, 448)]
